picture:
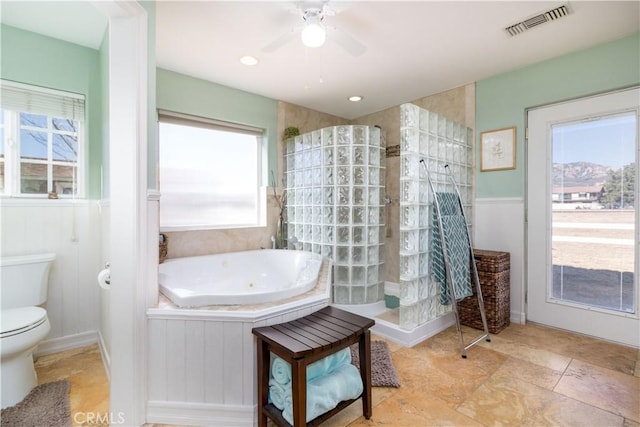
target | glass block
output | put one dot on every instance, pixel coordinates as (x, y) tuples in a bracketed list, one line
[(328, 195), (327, 215), (306, 214), (408, 191), (328, 136), (357, 294), (306, 141), (290, 179), (343, 175), (316, 194), (433, 123), (358, 235), (423, 264), (423, 220), (316, 214), (359, 156), (358, 215), (290, 162), (423, 246), (381, 269), (343, 155), (298, 143), (306, 177), (343, 214), (328, 176), (423, 311), (381, 290), (342, 254), (409, 216), (409, 115), (316, 157), (423, 147), (327, 251), (291, 214), (382, 177), (372, 233), (381, 234), (374, 196), (372, 294), (327, 156), (358, 255), (308, 196), (289, 146), (306, 159), (342, 235), (374, 176), (316, 248), (316, 138), (372, 274), (408, 266), (345, 135), (423, 288), (424, 120), (306, 233), (359, 134), (344, 194), (408, 292), (358, 275), (299, 231), (409, 164), (316, 177), (372, 254), (341, 294), (433, 146), (442, 125), (423, 192), (299, 181), (359, 194), (408, 317), (291, 197), (306, 247), (359, 175), (374, 156), (375, 137), (328, 233), (434, 288), (374, 215), (409, 241), (409, 140)]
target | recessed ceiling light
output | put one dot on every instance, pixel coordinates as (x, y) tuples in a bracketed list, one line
[(249, 60), (355, 98)]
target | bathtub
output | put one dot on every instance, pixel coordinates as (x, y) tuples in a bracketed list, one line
[(249, 277)]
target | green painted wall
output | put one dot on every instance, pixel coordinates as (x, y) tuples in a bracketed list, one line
[(152, 128), (30, 58), (501, 100), (189, 95)]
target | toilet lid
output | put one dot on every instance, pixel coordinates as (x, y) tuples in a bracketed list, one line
[(16, 319)]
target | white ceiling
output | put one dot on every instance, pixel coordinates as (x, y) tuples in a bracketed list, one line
[(414, 48)]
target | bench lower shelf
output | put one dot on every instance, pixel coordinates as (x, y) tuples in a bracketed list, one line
[(276, 414)]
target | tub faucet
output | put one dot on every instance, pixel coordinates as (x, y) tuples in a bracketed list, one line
[(273, 242)]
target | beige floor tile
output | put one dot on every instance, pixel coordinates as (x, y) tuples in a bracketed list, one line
[(527, 353), (529, 372), (507, 401), (603, 388)]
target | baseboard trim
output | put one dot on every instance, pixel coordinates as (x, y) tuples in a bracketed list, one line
[(69, 342), (518, 317), (200, 414)]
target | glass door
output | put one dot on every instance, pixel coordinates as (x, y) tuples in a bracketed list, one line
[(582, 216)]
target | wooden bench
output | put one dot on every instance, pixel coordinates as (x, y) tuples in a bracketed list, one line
[(302, 342)]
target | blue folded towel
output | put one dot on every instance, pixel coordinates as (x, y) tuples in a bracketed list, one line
[(278, 393), (281, 370), (325, 392)]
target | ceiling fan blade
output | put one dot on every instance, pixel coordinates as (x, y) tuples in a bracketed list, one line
[(348, 43), (280, 41)]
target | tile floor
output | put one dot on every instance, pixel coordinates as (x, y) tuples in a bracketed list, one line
[(528, 375)]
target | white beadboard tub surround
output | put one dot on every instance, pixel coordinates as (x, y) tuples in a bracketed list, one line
[(202, 362)]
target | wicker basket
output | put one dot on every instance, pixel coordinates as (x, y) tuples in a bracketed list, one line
[(494, 275)]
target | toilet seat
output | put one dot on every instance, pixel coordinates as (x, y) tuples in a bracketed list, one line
[(19, 320)]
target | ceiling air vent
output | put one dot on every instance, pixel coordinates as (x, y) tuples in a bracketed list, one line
[(534, 21)]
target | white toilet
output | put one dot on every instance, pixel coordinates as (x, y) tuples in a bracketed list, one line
[(23, 286)]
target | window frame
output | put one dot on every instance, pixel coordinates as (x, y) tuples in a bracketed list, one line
[(12, 160), (172, 117)]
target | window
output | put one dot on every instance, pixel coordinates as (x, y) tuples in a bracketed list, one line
[(41, 133), (209, 173)]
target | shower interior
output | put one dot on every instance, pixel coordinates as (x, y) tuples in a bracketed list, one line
[(335, 183)]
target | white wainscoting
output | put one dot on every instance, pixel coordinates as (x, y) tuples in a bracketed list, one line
[(202, 365), (70, 229), (499, 226)]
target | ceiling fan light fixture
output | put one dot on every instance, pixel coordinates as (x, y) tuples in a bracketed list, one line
[(313, 34)]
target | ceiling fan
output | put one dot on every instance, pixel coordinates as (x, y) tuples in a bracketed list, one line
[(314, 29)]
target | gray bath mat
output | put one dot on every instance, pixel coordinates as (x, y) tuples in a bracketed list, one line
[(383, 373), (47, 405)]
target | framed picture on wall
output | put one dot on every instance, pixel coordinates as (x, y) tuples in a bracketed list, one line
[(498, 149)]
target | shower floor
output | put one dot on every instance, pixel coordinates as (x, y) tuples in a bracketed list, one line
[(388, 323)]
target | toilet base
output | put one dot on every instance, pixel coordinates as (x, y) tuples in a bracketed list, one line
[(18, 378)]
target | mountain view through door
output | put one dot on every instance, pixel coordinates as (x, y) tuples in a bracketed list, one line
[(593, 215)]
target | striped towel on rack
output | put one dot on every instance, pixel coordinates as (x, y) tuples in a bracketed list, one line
[(454, 229)]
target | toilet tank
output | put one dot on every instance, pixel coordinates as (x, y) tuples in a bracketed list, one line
[(24, 280)]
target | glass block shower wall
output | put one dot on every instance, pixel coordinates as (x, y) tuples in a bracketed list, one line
[(334, 179), (439, 141)]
